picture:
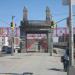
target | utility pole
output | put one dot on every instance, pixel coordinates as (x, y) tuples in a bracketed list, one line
[(12, 36), (71, 43)]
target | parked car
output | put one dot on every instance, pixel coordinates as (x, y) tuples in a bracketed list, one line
[(6, 49), (9, 50)]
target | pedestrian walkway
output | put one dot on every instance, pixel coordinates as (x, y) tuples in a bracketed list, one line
[(33, 63)]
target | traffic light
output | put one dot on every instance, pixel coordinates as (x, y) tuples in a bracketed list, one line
[(52, 24), (12, 26)]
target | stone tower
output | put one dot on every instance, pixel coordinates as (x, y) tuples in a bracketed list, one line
[(25, 14), (48, 14)]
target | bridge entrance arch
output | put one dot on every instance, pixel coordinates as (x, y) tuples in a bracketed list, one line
[(36, 27), (39, 29)]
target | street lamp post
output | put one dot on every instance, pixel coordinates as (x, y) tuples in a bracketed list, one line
[(71, 44)]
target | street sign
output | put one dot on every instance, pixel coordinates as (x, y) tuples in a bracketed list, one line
[(66, 2)]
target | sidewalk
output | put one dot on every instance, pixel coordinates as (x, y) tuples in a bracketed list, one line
[(36, 63)]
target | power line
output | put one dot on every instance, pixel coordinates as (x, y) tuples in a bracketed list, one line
[(62, 19)]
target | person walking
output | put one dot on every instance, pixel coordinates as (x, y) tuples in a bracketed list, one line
[(66, 59)]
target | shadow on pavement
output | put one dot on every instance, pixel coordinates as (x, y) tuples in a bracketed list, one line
[(25, 73), (16, 58), (55, 69)]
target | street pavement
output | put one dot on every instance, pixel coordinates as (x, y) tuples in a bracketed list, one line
[(31, 64)]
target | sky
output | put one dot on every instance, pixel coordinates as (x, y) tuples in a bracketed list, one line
[(36, 11)]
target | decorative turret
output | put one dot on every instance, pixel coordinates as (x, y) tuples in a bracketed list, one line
[(25, 14), (47, 14)]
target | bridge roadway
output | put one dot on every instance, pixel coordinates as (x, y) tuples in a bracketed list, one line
[(36, 63)]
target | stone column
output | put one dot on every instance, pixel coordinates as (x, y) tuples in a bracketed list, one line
[(24, 44), (47, 41), (50, 42)]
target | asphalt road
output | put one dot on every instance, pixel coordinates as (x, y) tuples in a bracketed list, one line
[(35, 63)]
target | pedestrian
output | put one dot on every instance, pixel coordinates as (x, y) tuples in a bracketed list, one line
[(39, 46), (66, 59)]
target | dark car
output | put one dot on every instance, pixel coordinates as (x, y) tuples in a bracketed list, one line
[(9, 50), (4, 48)]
